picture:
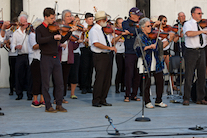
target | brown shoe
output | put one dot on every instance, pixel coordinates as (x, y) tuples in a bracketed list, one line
[(202, 102), (51, 110), (59, 108), (64, 101), (186, 102)]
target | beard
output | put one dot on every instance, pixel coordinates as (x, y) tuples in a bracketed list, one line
[(103, 24)]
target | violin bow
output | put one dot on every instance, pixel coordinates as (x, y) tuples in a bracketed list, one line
[(158, 33), (27, 30)]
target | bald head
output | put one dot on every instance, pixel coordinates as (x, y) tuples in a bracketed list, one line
[(181, 17)]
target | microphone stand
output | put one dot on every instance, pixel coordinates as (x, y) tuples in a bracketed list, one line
[(143, 118), (181, 55)]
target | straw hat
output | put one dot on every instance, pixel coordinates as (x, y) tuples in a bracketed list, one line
[(100, 15)]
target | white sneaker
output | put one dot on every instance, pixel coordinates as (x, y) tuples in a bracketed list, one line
[(163, 105), (149, 105)]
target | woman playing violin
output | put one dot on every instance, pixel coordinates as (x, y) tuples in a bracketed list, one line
[(154, 57), (167, 44)]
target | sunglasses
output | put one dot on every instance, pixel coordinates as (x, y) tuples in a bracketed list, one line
[(149, 26), (165, 21), (200, 13)]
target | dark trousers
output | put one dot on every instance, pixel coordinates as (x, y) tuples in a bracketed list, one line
[(36, 77), (159, 82), (120, 63), (103, 68), (12, 62), (74, 70), (50, 65), (23, 74), (195, 59), (86, 68), (65, 72), (132, 76)]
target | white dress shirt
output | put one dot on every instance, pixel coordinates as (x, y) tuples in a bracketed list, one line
[(17, 39), (193, 42), (96, 35), (35, 54)]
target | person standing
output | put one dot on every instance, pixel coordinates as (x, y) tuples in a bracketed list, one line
[(195, 42), (132, 77), (102, 58), (120, 61), (86, 58), (34, 58), (7, 34), (20, 43), (49, 61)]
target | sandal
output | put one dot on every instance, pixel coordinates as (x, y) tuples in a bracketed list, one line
[(136, 99), (126, 99), (73, 97), (175, 88)]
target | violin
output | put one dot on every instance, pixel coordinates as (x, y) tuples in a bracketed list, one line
[(119, 31), (169, 28), (59, 27), (74, 38), (134, 24), (108, 29), (154, 33), (80, 26), (11, 24), (203, 23)]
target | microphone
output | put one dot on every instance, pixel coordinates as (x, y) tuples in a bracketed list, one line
[(107, 117), (110, 121)]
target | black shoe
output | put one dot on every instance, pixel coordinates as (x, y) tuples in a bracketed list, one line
[(0, 108), (84, 91), (19, 97), (117, 91), (97, 105), (11, 93), (106, 104), (89, 91), (1, 114), (29, 98)]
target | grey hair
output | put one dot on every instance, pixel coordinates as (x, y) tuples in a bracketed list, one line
[(22, 15), (143, 21), (64, 12), (36, 23)]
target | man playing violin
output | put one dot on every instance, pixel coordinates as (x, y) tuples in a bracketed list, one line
[(102, 58), (86, 62), (19, 43), (195, 42), (50, 62), (132, 77)]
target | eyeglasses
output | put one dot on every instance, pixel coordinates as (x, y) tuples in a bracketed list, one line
[(164, 21)]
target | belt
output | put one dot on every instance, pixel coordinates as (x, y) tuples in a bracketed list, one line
[(102, 53), (198, 48)]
